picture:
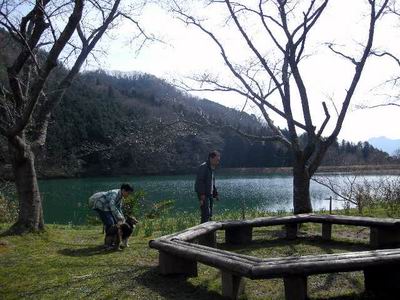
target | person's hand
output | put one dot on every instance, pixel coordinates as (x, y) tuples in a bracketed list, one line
[(215, 194), (120, 222), (202, 199)]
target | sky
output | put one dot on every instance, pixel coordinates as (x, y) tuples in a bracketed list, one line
[(186, 51)]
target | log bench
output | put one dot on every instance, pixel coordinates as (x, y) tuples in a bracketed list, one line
[(180, 252), (384, 233)]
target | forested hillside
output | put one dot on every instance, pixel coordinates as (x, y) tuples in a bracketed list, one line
[(111, 124), (128, 124)]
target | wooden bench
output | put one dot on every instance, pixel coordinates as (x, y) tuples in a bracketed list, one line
[(384, 233), (179, 254)]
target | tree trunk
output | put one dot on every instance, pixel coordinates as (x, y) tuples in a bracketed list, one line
[(301, 189), (30, 217)]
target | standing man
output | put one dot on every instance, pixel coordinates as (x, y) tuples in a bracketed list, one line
[(109, 205), (205, 185)]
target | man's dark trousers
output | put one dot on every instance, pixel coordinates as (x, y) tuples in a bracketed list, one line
[(206, 210)]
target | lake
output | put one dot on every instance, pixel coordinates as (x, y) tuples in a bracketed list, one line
[(65, 200)]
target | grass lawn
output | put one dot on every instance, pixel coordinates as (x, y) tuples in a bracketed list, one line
[(68, 262)]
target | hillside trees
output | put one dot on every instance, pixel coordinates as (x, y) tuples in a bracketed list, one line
[(45, 34), (276, 35)]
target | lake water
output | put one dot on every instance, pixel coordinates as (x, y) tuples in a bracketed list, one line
[(65, 200)]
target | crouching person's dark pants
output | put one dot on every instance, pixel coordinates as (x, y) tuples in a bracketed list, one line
[(107, 218), (206, 209)]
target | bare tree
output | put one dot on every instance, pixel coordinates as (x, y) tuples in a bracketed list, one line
[(286, 25), (350, 189), (393, 83), (392, 98), (45, 34)]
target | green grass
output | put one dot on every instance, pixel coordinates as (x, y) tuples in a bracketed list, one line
[(68, 262)]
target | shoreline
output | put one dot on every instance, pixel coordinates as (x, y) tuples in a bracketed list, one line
[(356, 169), (389, 169)]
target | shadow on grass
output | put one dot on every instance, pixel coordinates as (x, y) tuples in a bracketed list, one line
[(129, 282), (89, 251), (175, 286), (361, 296), (316, 241), (93, 285)]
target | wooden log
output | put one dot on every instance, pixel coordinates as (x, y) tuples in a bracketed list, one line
[(353, 220), (239, 235), (232, 285), (208, 239), (266, 221), (383, 280), (209, 257), (381, 237), (229, 254), (326, 263), (295, 287), (195, 232), (171, 264), (326, 231), (291, 231)]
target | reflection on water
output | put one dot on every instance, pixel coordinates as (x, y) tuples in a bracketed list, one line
[(65, 199)]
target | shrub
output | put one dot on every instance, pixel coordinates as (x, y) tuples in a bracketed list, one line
[(390, 193), (8, 203)]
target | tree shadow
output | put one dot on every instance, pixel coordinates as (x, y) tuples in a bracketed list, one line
[(316, 241), (101, 282), (330, 280), (176, 286), (89, 251), (131, 281)]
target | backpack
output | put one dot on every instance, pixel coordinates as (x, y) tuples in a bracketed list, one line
[(93, 199)]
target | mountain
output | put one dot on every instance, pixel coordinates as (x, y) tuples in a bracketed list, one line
[(385, 144), (117, 124), (132, 123)]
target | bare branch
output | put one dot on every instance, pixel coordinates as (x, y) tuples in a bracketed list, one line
[(326, 182), (277, 138), (252, 47), (378, 105), (327, 117), (351, 59), (381, 54), (49, 64), (359, 68)]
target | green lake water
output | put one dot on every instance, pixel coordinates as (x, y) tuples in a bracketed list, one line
[(65, 200)]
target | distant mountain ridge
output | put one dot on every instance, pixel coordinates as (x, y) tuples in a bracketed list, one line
[(385, 144)]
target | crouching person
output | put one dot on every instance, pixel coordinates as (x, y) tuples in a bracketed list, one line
[(108, 205)]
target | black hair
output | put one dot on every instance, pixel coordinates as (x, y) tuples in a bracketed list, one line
[(213, 154), (127, 187)]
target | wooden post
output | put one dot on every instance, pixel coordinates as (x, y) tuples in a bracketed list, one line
[(381, 238), (291, 231), (232, 285), (383, 280), (295, 287), (208, 239), (170, 264), (239, 235), (326, 231)]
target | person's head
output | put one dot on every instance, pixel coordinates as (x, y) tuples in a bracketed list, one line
[(214, 157), (126, 190)]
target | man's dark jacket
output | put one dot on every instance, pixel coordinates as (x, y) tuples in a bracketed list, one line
[(204, 182)]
